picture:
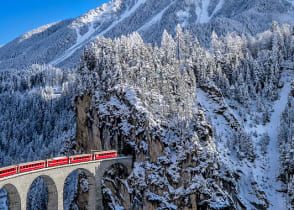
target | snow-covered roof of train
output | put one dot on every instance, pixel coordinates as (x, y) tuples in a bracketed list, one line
[(28, 163), (57, 158), (8, 167)]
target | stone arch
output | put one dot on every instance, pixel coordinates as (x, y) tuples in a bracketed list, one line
[(51, 189), (14, 201), (91, 187)]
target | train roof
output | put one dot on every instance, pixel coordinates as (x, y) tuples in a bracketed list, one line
[(106, 151), (79, 155), (8, 167), (28, 163), (58, 158)]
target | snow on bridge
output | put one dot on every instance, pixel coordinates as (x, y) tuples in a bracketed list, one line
[(18, 185)]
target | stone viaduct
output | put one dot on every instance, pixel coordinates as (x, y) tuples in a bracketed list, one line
[(18, 186)]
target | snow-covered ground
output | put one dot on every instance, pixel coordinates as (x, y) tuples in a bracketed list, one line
[(260, 175), (269, 171), (202, 10)]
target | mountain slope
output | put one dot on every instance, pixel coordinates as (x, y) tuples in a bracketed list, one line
[(61, 43)]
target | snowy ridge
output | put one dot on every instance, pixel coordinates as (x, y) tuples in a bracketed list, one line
[(125, 15), (36, 31), (61, 43), (82, 40), (90, 19)]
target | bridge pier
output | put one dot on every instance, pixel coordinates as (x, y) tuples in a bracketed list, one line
[(59, 200), (52, 195), (92, 192), (13, 197), (99, 201)]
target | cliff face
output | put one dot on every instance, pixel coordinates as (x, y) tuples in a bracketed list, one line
[(154, 117), (210, 145), (170, 164)]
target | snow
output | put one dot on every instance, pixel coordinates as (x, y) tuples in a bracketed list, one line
[(291, 2), (89, 35), (91, 18), (155, 19), (202, 11), (276, 199), (183, 17), (125, 15), (267, 171), (36, 31)]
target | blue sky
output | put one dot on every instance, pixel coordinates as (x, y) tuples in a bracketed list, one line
[(20, 16)]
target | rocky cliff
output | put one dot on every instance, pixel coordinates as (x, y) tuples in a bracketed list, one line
[(200, 136)]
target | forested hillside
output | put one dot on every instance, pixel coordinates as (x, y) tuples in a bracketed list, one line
[(202, 123), (206, 113), (37, 118)]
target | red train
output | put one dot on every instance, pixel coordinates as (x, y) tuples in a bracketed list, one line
[(24, 167)]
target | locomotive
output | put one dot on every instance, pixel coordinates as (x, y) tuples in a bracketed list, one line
[(24, 167)]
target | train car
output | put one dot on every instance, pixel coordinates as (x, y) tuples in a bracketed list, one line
[(32, 166), (105, 154), (80, 158), (7, 171), (57, 161)]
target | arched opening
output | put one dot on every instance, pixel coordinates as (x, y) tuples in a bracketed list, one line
[(114, 187), (13, 201), (42, 194), (79, 190)]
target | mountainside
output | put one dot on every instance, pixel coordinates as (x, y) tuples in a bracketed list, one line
[(61, 43), (207, 118), (203, 126)]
